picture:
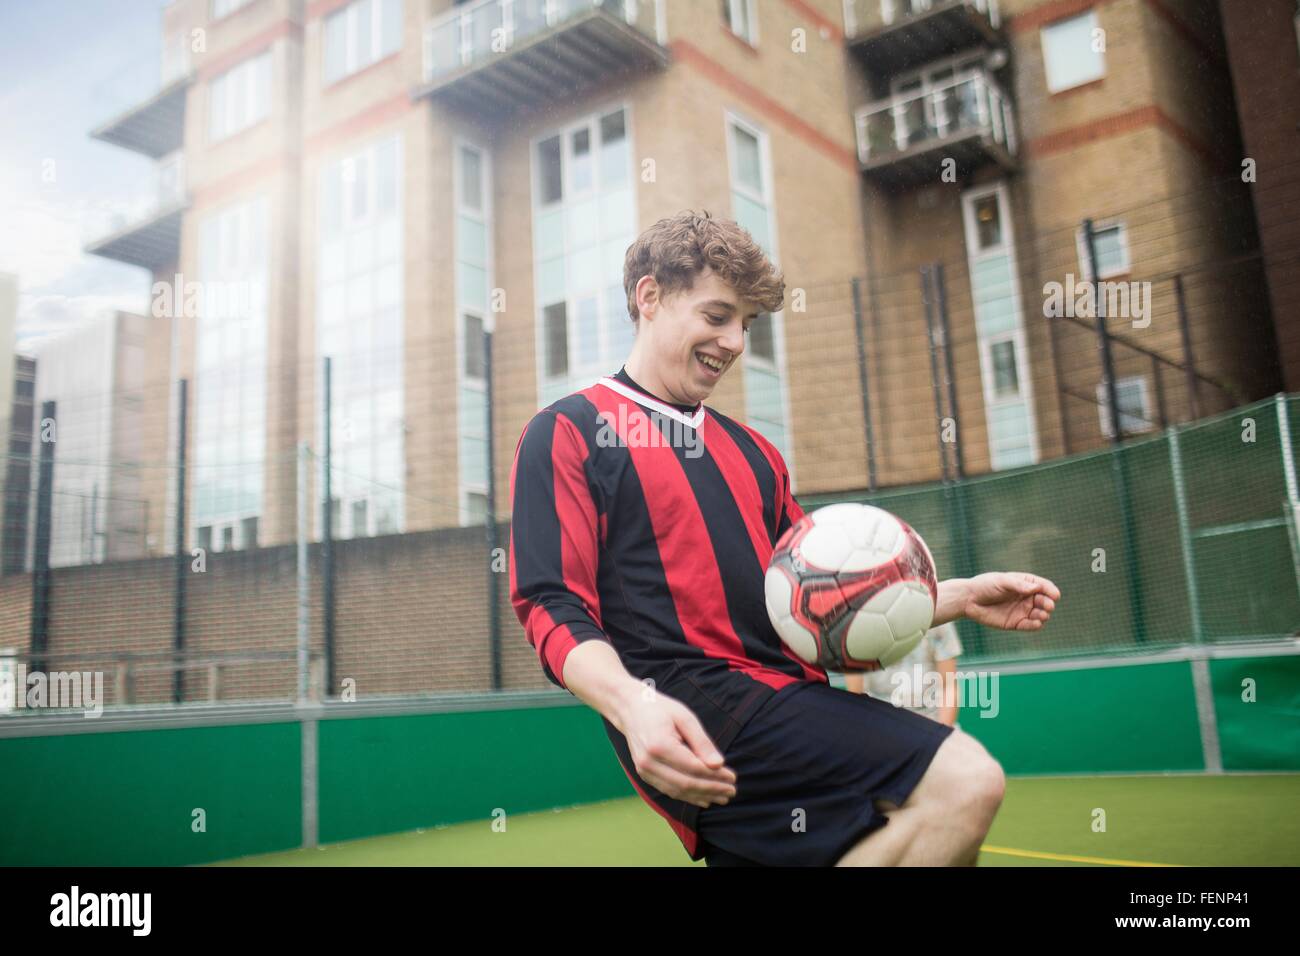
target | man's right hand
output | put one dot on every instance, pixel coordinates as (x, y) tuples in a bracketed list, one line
[(673, 753)]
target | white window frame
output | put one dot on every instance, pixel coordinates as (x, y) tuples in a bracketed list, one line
[(485, 215), (750, 9), (1085, 263), (352, 62), (590, 119), (1089, 14), (1007, 247), (348, 220), (242, 80), (1145, 423), (732, 118)]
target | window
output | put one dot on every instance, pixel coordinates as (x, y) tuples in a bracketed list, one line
[(475, 366), (761, 343), (1134, 406), (1111, 241), (240, 97), (248, 530), (359, 34), (359, 324), (205, 537), (988, 223), (740, 18), (359, 525), (584, 219), (223, 8), (228, 538), (555, 331), (1072, 54), (230, 379), (1006, 380)]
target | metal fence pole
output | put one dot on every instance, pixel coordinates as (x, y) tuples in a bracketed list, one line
[(327, 537), (304, 580), (494, 604), (949, 377), (863, 383), (927, 301), (1103, 336), (1292, 503), (40, 621), (181, 558), (1189, 360), (1185, 534)]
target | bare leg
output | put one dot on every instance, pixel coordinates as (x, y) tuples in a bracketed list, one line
[(945, 819)]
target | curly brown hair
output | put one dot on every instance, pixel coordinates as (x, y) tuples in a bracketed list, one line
[(676, 250)]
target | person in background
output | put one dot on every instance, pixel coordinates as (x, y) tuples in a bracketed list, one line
[(898, 684)]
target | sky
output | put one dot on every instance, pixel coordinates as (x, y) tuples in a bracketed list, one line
[(66, 66)]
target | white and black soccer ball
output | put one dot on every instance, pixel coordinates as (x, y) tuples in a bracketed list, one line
[(851, 587)]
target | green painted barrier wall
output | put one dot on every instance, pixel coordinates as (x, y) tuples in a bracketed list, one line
[(1100, 720), (390, 774), (128, 798), (1262, 733)]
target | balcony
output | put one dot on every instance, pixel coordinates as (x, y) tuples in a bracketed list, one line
[(894, 35), (152, 238), (904, 140), (155, 125), (507, 55)]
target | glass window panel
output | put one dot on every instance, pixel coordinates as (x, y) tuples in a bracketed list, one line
[(474, 365), (386, 173), (336, 46), (753, 217), (471, 240), (364, 20), (471, 176), (760, 341), (748, 160), (1068, 54), (585, 271), (580, 141), (392, 26), (473, 286), (581, 222), (550, 171), (555, 330), (616, 213), (550, 234), (1006, 378), (587, 330), (550, 280), (988, 223)]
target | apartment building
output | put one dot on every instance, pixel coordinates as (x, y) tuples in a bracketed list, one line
[(18, 466), (380, 181), (1263, 47)]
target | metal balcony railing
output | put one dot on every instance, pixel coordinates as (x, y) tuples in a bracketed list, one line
[(581, 39), (893, 35), (150, 237), (154, 123), (969, 106)]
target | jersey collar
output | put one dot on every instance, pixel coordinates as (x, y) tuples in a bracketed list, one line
[(693, 421)]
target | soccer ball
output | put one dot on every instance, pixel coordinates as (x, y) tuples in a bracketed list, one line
[(851, 588)]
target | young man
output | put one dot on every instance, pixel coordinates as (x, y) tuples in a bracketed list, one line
[(643, 523)]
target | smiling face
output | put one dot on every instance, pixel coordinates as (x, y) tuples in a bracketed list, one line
[(687, 341)]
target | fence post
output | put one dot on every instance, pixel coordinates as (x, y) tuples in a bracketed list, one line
[(40, 623), (1189, 360), (494, 604), (304, 580), (949, 377), (1103, 336), (926, 300), (327, 538), (863, 383), (181, 559), (1292, 504), (1185, 533)]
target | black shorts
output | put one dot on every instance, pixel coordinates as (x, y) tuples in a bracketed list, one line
[(810, 765)]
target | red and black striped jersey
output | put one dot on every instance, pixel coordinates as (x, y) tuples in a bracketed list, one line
[(651, 526)]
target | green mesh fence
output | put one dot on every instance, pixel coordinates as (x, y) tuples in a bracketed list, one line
[(1188, 537)]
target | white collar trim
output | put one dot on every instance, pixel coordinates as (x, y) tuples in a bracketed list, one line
[(693, 421)]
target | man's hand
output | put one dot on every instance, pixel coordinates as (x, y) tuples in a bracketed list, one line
[(1008, 600), (673, 753)]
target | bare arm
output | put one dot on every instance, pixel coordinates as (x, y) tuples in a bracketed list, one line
[(853, 683), (669, 746), (948, 711), (1009, 600)]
